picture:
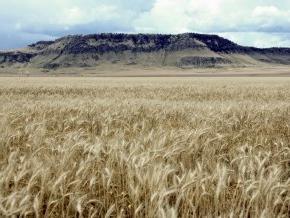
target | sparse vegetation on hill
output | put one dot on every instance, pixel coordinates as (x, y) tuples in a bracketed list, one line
[(88, 147), (144, 50)]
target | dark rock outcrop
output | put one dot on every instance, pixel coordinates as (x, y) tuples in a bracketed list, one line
[(15, 57)]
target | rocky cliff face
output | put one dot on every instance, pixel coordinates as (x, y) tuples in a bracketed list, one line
[(183, 50)]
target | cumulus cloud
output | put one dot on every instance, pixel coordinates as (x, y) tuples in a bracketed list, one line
[(259, 39), (214, 16), (271, 19), (263, 23)]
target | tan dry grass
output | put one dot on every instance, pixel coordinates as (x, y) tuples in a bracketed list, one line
[(189, 147)]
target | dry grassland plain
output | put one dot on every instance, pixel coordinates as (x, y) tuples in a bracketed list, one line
[(145, 147)]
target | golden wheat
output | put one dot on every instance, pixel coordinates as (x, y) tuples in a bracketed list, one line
[(189, 147)]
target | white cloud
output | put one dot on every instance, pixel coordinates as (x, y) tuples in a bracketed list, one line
[(259, 39), (179, 16), (270, 18), (73, 16), (77, 15), (213, 15), (262, 11), (164, 17)]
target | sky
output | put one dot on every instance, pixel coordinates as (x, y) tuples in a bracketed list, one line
[(260, 23)]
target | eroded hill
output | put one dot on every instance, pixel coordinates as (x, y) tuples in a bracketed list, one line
[(183, 50)]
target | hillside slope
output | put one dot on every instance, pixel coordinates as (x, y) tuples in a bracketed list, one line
[(183, 50)]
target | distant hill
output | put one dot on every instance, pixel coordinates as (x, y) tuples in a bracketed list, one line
[(187, 50)]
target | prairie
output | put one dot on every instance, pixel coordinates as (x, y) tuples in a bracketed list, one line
[(144, 147)]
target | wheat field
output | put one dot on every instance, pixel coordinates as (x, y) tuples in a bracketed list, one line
[(145, 147)]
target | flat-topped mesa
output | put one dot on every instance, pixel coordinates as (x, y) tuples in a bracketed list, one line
[(139, 43), (182, 50)]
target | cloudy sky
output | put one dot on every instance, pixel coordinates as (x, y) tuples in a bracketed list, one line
[(262, 23)]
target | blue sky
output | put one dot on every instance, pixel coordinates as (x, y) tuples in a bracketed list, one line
[(261, 23)]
